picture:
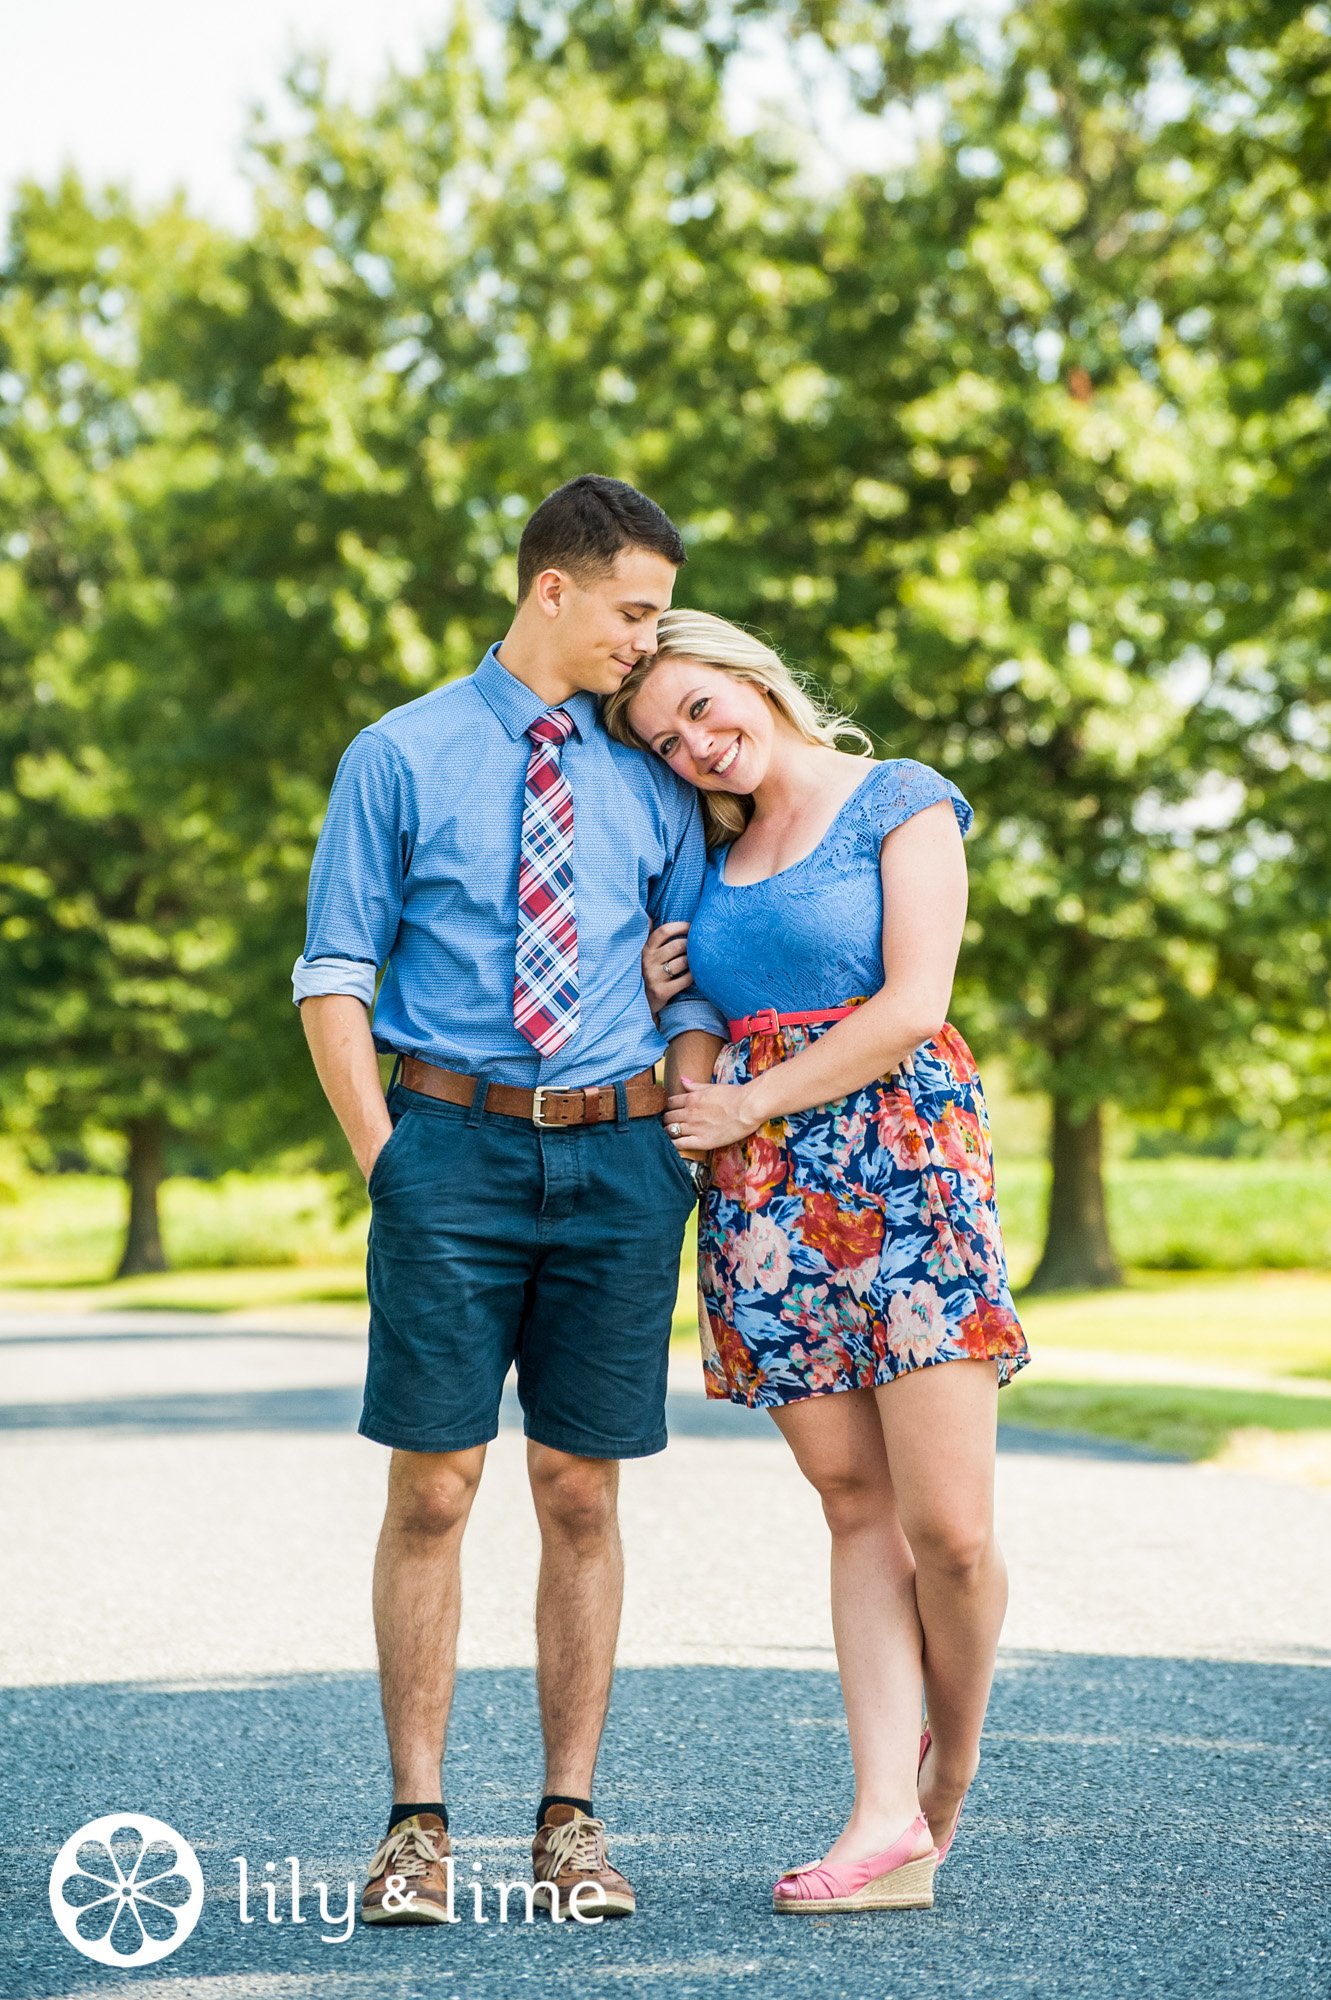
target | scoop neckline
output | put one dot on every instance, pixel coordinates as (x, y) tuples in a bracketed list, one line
[(822, 840)]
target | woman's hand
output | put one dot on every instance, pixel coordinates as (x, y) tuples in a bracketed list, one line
[(702, 1116), (665, 964)]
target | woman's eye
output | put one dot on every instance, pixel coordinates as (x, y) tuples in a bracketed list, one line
[(697, 708), (667, 746)]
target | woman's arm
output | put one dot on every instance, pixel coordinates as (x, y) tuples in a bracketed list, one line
[(665, 965), (924, 912)]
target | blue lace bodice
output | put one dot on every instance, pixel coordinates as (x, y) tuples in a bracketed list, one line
[(811, 936)]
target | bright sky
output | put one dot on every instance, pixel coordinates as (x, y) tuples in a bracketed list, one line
[(155, 92)]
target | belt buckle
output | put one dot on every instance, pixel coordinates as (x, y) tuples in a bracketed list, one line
[(766, 1022), (538, 1097)]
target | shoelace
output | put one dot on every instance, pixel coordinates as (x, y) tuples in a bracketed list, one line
[(408, 1851), (579, 1844)]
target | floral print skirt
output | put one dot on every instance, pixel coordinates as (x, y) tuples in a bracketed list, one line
[(841, 1246)]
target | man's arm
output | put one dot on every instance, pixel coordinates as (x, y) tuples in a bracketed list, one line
[(691, 1054), (693, 1028), (337, 1029), (689, 1019), (356, 889)]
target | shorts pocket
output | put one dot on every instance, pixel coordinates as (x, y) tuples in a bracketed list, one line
[(681, 1169), (388, 1146)]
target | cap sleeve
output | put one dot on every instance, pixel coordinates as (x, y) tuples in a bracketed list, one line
[(903, 788)]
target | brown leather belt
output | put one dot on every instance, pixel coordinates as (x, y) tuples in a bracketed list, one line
[(594, 1105)]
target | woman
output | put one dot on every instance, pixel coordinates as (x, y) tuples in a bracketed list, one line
[(848, 1241)]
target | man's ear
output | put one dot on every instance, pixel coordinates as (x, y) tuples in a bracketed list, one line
[(550, 590)]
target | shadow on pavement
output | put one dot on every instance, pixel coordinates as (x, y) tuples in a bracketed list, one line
[(338, 1409), (37, 1335), (1140, 1826)]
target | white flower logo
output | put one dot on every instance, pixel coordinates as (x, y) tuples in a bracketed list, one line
[(126, 1889)]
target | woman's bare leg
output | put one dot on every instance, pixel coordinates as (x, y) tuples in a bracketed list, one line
[(838, 1443), (939, 1425)]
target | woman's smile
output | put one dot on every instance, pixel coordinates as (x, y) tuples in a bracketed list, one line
[(725, 760)]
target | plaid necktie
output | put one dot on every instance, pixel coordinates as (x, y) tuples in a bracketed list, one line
[(545, 983)]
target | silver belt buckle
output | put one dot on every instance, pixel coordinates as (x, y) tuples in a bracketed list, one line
[(538, 1098)]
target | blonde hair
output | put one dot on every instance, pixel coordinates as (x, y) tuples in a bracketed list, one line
[(697, 635)]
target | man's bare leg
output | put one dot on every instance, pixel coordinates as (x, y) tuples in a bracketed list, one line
[(417, 1603), (578, 1601)]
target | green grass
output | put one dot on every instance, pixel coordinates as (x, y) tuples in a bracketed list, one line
[(1273, 1323), (66, 1228), (1267, 1322), (238, 1289), (1192, 1422), (1189, 1214), (1181, 1215)]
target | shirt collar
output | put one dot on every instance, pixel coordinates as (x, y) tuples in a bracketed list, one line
[(517, 706)]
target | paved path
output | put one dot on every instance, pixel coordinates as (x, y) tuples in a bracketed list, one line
[(191, 1520)]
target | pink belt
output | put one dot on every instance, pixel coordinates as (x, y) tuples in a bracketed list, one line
[(767, 1021)]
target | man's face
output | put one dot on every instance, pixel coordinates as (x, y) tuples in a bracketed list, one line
[(604, 625)]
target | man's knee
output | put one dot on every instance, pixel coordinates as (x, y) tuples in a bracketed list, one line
[(576, 1498), (430, 1493)]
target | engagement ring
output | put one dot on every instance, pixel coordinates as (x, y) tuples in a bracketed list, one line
[(674, 1131)]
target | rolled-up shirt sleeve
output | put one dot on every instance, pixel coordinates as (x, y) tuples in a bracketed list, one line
[(360, 866), (312, 977), (674, 899), (691, 1010)]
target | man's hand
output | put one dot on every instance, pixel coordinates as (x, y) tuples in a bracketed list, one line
[(337, 1028)]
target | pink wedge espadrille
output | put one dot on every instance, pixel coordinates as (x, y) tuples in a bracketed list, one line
[(896, 1879)]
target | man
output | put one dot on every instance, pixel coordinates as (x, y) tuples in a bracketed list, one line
[(504, 860)]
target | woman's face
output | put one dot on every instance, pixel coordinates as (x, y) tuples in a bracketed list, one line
[(710, 727)]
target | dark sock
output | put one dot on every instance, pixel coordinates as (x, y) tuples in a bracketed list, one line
[(560, 1799), (401, 1812)]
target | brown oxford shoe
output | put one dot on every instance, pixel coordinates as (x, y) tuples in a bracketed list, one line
[(408, 1881), (569, 1853)]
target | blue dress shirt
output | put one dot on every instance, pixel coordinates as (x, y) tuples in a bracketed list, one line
[(417, 870)]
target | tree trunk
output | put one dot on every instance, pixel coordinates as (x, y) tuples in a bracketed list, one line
[(143, 1240), (1077, 1254)]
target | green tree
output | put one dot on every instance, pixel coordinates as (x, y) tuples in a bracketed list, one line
[(118, 904), (281, 482), (1019, 446), (500, 273), (1058, 512)]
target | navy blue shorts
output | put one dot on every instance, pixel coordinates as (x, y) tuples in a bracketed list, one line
[(494, 1242)]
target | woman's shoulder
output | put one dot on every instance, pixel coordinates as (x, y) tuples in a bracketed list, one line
[(898, 788)]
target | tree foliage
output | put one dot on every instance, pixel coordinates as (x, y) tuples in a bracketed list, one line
[(120, 903), (1020, 446), (1077, 611)]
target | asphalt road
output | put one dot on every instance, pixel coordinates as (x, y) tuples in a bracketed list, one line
[(184, 1571)]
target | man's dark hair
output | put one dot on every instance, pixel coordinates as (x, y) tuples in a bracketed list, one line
[(582, 526)]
